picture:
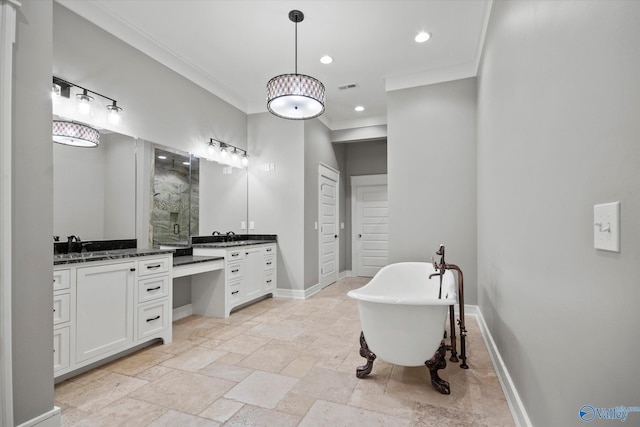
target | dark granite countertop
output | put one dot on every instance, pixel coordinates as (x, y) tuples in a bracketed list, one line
[(73, 258), (190, 259), (224, 245)]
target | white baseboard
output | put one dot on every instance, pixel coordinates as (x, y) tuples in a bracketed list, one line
[(518, 410), (182, 312), (298, 294), (344, 274), (48, 419)]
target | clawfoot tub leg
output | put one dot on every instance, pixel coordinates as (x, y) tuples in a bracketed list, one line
[(452, 323), (437, 362), (364, 370)]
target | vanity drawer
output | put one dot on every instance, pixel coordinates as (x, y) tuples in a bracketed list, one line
[(150, 289), (61, 311), (269, 262), (152, 318), (235, 293), (234, 270), (60, 349), (61, 280), (269, 281), (148, 267), (235, 255)]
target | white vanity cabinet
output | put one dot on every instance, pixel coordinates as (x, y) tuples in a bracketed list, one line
[(104, 307), (249, 273), (61, 319)]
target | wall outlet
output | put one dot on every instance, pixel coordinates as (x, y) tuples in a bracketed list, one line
[(342, 226), (243, 225), (252, 225), (606, 227)]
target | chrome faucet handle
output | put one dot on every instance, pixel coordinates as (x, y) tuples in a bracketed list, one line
[(435, 266)]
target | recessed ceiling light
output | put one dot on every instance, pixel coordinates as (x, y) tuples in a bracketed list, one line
[(359, 108), (422, 37), (326, 59), (162, 157)]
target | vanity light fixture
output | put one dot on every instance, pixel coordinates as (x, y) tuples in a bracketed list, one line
[(295, 96), (238, 155), (75, 134), (211, 147), (62, 89), (84, 102)]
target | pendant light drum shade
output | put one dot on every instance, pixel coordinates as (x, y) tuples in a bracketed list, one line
[(295, 96), (75, 134)]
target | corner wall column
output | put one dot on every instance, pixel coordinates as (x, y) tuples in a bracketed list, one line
[(7, 39)]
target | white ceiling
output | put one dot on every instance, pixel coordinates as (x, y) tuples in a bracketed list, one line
[(232, 48)]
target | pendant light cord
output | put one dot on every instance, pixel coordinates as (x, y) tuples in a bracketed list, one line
[(296, 54)]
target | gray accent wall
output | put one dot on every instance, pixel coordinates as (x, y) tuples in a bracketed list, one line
[(317, 149), (360, 158), (159, 105), (431, 151), (32, 214), (276, 198), (558, 132)]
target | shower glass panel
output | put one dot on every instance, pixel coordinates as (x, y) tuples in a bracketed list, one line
[(175, 195)]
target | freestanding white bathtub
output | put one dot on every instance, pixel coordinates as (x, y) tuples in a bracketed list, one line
[(402, 318)]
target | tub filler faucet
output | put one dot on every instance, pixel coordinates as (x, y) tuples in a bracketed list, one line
[(440, 269)]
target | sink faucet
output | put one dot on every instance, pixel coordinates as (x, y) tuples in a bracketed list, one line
[(230, 235), (215, 233), (73, 244)]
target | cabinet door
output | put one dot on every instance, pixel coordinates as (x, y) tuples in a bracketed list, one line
[(252, 278), (104, 309)]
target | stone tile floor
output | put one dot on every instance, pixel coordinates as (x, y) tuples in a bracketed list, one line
[(280, 362)]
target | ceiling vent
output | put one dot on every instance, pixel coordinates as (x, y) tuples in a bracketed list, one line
[(348, 86)]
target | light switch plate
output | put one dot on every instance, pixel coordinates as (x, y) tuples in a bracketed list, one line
[(606, 226), (243, 225), (252, 225)]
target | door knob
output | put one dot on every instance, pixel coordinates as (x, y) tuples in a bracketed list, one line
[(335, 236)]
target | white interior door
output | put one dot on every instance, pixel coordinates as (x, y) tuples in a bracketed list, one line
[(328, 229), (370, 219)]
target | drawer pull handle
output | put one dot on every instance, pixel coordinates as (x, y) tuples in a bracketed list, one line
[(234, 292), (153, 267), (235, 271), (269, 281), (153, 289), (235, 254), (269, 263), (54, 310), (153, 318), (132, 269)]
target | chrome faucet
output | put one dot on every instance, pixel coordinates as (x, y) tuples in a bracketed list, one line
[(230, 235), (215, 233)]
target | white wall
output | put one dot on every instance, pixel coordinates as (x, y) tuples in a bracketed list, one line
[(432, 175), (32, 214), (276, 198), (558, 108)]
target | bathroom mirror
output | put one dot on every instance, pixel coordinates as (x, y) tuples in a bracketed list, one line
[(175, 197), (94, 189), (189, 196)]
